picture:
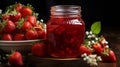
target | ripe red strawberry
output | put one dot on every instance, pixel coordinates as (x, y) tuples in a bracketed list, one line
[(16, 17), (108, 56), (7, 37), (15, 59), (38, 49), (83, 49), (32, 20), (31, 35), (97, 48), (19, 36), (9, 27), (18, 7), (41, 34), (26, 26), (44, 34), (25, 11), (5, 17)]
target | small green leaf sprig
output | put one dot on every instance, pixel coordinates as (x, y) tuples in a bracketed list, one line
[(92, 35), (96, 27)]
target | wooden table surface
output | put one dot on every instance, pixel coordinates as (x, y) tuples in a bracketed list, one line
[(111, 34)]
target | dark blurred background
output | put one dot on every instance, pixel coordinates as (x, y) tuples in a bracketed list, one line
[(92, 10)]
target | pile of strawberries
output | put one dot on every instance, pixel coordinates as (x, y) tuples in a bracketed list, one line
[(19, 22)]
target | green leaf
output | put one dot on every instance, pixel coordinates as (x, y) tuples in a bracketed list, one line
[(35, 14), (96, 27)]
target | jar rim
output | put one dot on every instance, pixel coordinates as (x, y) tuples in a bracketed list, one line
[(70, 6), (65, 9)]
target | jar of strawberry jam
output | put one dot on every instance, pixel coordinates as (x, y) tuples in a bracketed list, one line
[(65, 31)]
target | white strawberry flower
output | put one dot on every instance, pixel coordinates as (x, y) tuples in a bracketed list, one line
[(89, 42), (96, 38), (87, 57), (99, 58), (41, 20), (92, 56), (92, 59), (106, 42), (95, 64), (93, 35), (89, 36), (84, 55), (84, 59), (107, 46), (93, 41), (91, 32), (87, 32), (89, 60)]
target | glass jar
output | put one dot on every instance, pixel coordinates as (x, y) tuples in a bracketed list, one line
[(65, 31)]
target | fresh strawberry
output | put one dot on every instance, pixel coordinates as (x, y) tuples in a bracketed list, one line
[(41, 34), (108, 56), (25, 11), (7, 37), (97, 48), (18, 7), (44, 34), (15, 59), (9, 27), (5, 17), (19, 36), (32, 20), (16, 17), (26, 26), (31, 35), (38, 49), (83, 49)]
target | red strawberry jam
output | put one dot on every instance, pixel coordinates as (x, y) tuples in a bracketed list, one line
[(65, 31)]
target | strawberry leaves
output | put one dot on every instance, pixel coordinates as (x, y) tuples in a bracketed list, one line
[(96, 27)]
